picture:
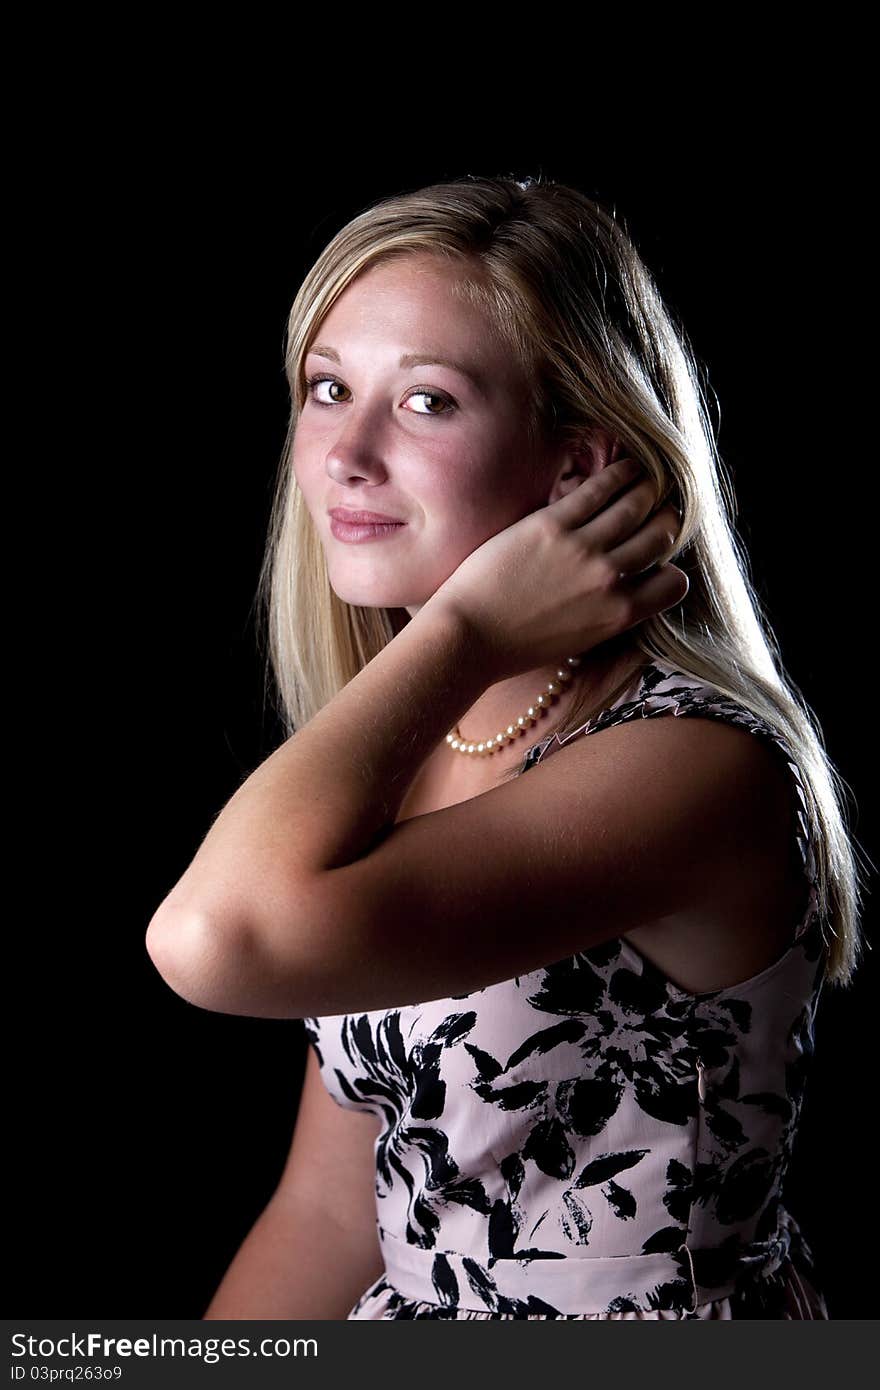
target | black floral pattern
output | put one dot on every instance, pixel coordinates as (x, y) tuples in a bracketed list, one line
[(591, 1136)]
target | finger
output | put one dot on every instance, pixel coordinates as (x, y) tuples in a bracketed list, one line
[(654, 543), (622, 518), (654, 593), (596, 492)]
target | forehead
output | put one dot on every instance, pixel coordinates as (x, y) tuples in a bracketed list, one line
[(410, 304)]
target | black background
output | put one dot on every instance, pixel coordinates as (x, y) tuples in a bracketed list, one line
[(148, 1134)]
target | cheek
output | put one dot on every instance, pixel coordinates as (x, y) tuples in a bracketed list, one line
[(498, 486), (468, 496), (460, 508), (306, 473), (463, 476)]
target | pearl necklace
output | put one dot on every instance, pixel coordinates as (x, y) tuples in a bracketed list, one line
[(458, 744)]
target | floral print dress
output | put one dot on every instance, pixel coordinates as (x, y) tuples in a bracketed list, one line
[(589, 1140)]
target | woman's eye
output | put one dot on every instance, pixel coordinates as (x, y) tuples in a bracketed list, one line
[(315, 381), (447, 404), (330, 381)]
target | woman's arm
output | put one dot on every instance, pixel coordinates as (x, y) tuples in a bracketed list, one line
[(643, 823), (532, 593), (304, 897), (294, 1263), (324, 796), (315, 1248), (331, 790)]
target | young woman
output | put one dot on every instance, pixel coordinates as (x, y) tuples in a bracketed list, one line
[(560, 1026)]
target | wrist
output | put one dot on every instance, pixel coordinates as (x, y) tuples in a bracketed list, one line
[(444, 622)]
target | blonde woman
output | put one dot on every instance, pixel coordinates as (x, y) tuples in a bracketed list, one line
[(559, 1025)]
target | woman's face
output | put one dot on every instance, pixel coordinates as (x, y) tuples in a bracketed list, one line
[(420, 442)]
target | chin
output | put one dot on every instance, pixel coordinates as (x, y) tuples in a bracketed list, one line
[(378, 596), (383, 589)]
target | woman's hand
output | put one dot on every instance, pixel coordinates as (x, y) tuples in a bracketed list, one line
[(570, 576)]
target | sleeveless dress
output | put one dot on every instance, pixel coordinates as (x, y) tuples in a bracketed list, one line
[(589, 1140)]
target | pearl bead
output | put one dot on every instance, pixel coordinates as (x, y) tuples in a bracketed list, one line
[(525, 721)]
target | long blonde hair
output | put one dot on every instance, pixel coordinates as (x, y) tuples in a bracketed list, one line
[(560, 279)]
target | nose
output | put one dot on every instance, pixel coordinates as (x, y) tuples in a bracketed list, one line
[(350, 465), (355, 453)]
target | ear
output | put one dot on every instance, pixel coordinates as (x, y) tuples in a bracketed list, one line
[(596, 449)]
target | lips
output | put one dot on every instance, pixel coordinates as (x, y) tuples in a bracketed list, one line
[(360, 518)]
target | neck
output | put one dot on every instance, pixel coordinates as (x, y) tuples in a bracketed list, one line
[(501, 704)]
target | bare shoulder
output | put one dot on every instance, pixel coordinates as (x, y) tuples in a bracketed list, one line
[(677, 830), (747, 914)]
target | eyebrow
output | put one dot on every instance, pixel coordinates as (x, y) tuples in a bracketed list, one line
[(425, 358)]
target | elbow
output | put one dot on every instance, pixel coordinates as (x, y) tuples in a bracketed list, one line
[(195, 957), (217, 966)]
